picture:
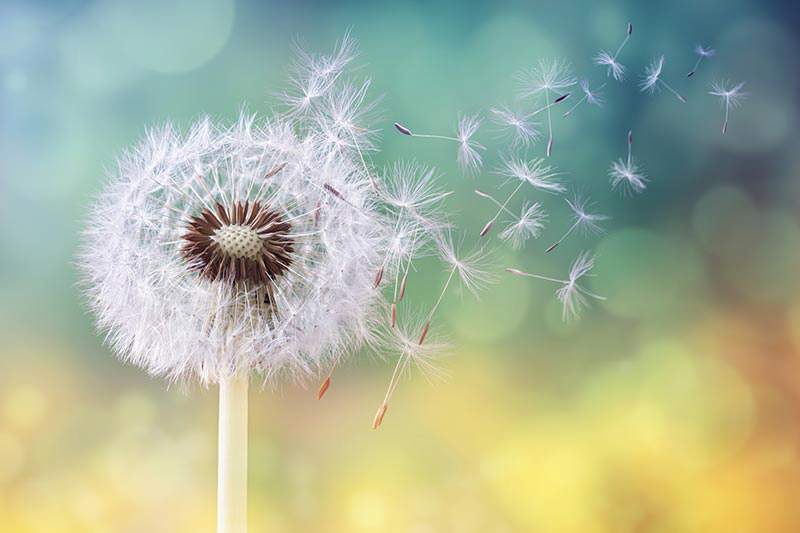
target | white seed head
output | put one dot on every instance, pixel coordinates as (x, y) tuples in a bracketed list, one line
[(535, 172), (627, 176), (652, 74), (615, 69), (251, 247)]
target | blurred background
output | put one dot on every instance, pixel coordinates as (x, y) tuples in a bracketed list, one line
[(670, 407)]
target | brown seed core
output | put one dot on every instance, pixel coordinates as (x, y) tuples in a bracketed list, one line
[(246, 242)]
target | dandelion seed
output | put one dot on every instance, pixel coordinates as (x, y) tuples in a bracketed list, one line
[(571, 295), (411, 353), (523, 130), (652, 79), (702, 53), (528, 226), (547, 79), (590, 96), (535, 173), (731, 97), (469, 157), (614, 68), (583, 219), (625, 173)]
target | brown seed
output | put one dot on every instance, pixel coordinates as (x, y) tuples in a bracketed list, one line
[(378, 420), (394, 314), (551, 247), (403, 287), (402, 129), (561, 98), (424, 332), (275, 170), (324, 388), (486, 228), (379, 278)]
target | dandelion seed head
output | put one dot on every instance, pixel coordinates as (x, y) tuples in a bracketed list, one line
[(473, 269), (626, 175), (250, 247), (524, 132), (586, 220), (528, 226), (593, 97), (614, 69), (546, 77), (652, 74), (535, 172), (573, 296), (730, 95), (469, 157), (703, 51)]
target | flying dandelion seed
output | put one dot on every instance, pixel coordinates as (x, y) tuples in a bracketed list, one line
[(536, 173), (583, 219), (604, 59), (590, 96), (411, 353), (528, 225), (731, 97), (626, 174), (524, 132), (702, 53), (469, 157), (547, 79), (652, 79), (573, 297)]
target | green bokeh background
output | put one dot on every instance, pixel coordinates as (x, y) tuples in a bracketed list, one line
[(671, 407)]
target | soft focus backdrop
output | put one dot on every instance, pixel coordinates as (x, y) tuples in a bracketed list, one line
[(672, 407)]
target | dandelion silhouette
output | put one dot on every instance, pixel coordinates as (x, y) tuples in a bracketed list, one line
[(731, 97), (652, 79), (702, 53)]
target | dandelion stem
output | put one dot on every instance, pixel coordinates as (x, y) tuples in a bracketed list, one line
[(559, 241), (430, 136), (537, 276), (727, 112), (232, 462), (549, 123), (673, 91), (582, 100), (695, 67)]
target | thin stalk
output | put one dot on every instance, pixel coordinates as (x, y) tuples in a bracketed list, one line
[(232, 461), (503, 207), (727, 112), (559, 241), (549, 124), (695, 67), (673, 91)]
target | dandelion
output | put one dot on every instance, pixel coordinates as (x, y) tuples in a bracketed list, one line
[(535, 173), (582, 218), (469, 157), (252, 248), (702, 53), (652, 78), (731, 97), (548, 79), (590, 96), (625, 173), (573, 296), (606, 59)]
